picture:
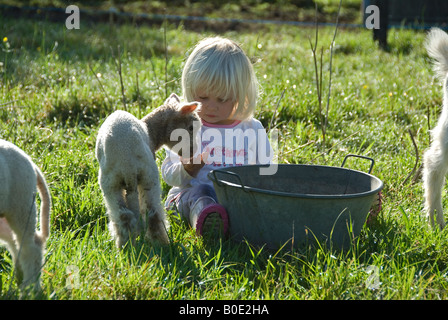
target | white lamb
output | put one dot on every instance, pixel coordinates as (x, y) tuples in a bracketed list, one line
[(128, 174), (19, 177), (435, 163)]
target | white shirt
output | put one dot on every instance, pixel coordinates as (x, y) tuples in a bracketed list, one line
[(240, 143)]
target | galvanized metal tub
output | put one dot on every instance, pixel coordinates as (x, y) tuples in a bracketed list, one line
[(298, 204)]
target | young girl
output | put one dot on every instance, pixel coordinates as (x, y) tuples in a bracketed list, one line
[(220, 76)]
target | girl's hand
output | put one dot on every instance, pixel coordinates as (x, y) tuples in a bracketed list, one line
[(193, 165)]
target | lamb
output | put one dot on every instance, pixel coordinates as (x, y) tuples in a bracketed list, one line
[(128, 174), (435, 163), (19, 178)]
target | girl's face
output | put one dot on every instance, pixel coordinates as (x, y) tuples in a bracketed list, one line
[(214, 109)]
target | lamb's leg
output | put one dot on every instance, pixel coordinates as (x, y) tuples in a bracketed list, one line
[(29, 256), (435, 168), (30, 259), (157, 224), (132, 201), (7, 236), (122, 220)]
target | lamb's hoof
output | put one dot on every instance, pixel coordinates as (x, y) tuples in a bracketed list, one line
[(158, 237)]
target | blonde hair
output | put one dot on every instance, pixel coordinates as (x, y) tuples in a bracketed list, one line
[(219, 66)]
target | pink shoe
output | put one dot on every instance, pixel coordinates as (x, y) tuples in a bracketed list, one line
[(212, 217)]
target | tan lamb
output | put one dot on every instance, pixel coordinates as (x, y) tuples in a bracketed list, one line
[(128, 174)]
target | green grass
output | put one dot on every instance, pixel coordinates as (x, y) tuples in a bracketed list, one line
[(52, 104)]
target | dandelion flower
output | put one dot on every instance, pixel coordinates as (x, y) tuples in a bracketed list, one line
[(5, 39)]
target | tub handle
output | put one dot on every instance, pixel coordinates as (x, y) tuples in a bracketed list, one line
[(219, 182), (357, 156)]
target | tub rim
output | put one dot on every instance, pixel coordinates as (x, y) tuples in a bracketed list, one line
[(212, 176)]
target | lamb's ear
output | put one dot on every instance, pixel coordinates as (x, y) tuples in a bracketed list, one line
[(174, 97), (189, 107)]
